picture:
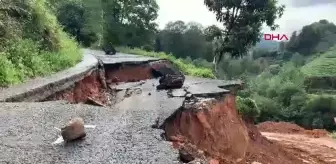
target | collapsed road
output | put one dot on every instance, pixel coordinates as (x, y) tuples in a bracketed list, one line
[(133, 121), (123, 132)]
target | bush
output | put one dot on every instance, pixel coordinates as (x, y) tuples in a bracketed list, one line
[(247, 108), (274, 69), (187, 69), (199, 62), (269, 109), (320, 82), (33, 43), (320, 112), (8, 72), (286, 91), (298, 59)]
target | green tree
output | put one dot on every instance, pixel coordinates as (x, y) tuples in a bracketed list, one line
[(172, 38), (71, 15), (242, 20), (298, 59), (185, 39), (292, 43), (194, 40), (315, 37), (120, 22)]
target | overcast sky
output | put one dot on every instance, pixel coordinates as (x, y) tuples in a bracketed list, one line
[(297, 14)]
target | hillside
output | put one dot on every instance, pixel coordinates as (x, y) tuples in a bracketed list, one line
[(32, 43), (323, 65), (267, 44)]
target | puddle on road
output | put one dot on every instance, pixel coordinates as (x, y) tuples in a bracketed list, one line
[(60, 139)]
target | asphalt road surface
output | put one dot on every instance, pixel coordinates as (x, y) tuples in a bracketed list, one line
[(123, 133)]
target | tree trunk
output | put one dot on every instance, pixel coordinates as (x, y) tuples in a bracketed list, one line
[(215, 63)]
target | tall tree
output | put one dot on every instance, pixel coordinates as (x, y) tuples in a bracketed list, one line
[(172, 38), (316, 37), (185, 40), (121, 22), (242, 20)]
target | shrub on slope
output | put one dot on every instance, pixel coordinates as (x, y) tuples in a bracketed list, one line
[(32, 43)]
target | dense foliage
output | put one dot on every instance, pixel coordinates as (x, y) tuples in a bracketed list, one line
[(313, 38), (31, 42), (183, 65), (99, 22)]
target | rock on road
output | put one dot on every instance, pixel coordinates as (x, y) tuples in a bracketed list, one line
[(123, 133)]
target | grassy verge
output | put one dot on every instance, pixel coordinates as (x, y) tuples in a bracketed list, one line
[(34, 46), (186, 68), (23, 60)]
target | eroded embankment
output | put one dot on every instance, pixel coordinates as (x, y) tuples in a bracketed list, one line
[(90, 88), (211, 129), (94, 87)]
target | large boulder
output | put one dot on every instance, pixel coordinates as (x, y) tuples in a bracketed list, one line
[(74, 130), (170, 81)]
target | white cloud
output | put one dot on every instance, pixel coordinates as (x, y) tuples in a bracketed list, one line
[(293, 19)]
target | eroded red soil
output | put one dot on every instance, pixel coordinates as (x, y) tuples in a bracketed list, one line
[(89, 87), (214, 130), (309, 150), (129, 73), (290, 128)]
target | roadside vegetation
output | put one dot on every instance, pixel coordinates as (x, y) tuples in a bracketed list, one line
[(183, 65), (32, 43)]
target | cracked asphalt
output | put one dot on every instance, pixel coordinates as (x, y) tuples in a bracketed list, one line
[(123, 133)]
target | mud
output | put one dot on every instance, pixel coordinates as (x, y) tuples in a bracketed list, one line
[(290, 128)]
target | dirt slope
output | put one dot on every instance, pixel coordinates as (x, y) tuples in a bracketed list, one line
[(311, 146), (290, 128), (310, 150)]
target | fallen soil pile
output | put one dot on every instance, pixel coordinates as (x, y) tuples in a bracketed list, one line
[(308, 149), (211, 129), (290, 128)]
